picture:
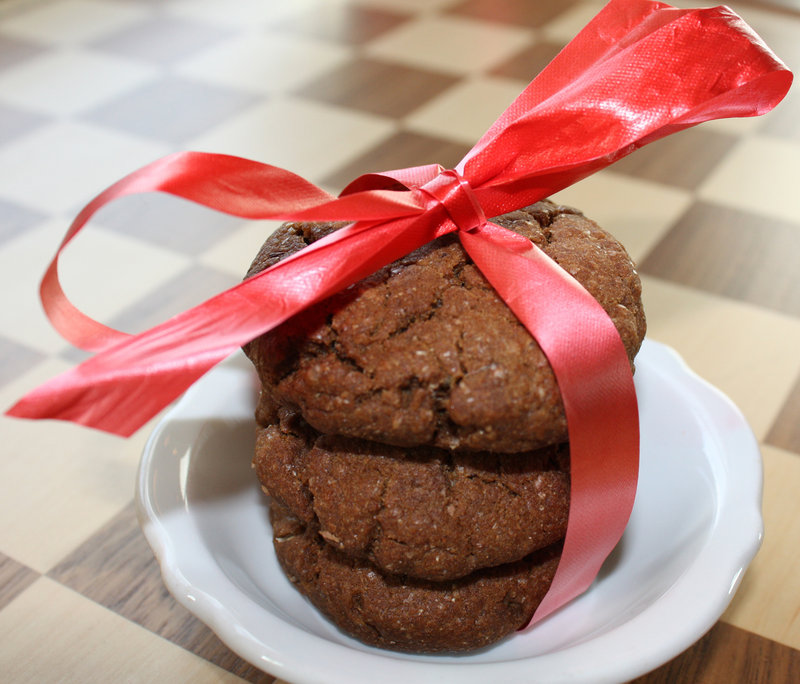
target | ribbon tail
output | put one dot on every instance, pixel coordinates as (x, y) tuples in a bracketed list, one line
[(119, 389), (594, 375)]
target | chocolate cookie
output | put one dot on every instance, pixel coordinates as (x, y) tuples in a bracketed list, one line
[(423, 352), (424, 512), (394, 612)]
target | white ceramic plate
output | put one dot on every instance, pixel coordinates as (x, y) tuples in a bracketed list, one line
[(695, 527)]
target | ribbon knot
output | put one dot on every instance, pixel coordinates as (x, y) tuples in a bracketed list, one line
[(453, 192)]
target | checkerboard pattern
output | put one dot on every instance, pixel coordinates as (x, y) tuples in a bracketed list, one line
[(330, 89)]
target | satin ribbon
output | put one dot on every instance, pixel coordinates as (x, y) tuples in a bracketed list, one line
[(639, 70)]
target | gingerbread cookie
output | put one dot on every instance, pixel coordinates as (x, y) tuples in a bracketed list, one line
[(424, 512), (398, 613), (424, 352)]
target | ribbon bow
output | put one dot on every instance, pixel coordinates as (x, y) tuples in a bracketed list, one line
[(638, 71)]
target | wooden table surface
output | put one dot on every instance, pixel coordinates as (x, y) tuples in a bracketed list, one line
[(91, 89)]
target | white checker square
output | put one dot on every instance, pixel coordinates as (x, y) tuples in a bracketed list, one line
[(307, 138), (454, 45), (69, 81), (639, 222), (103, 272), (235, 253), (758, 167), (264, 62), (72, 21), (464, 112), (740, 126), (242, 14), (63, 165), (771, 579), (70, 481), (698, 325), (778, 29), (49, 630), (22, 263)]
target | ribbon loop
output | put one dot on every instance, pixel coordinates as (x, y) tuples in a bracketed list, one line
[(451, 190)]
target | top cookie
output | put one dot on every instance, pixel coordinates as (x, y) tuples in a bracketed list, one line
[(424, 352)]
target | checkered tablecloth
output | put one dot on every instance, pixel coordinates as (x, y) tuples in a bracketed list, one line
[(330, 89)]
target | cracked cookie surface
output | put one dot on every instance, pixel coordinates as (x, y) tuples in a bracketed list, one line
[(395, 612), (424, 512), (423, 352)]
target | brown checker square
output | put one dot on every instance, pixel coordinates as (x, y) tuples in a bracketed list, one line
[(398, 152), (116, 569), (14, 579), (180, 293), (741, 255), (528, 63), (171, 109), (377, 87), (162, 39), (15, 359), (346, 24), (519, 12), (683, 160), (790, 8), (785, 431), (728, 654)]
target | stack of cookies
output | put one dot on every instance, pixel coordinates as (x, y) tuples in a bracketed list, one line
[(412, 438)]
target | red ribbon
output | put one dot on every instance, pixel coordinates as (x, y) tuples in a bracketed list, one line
[(639, 70)]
